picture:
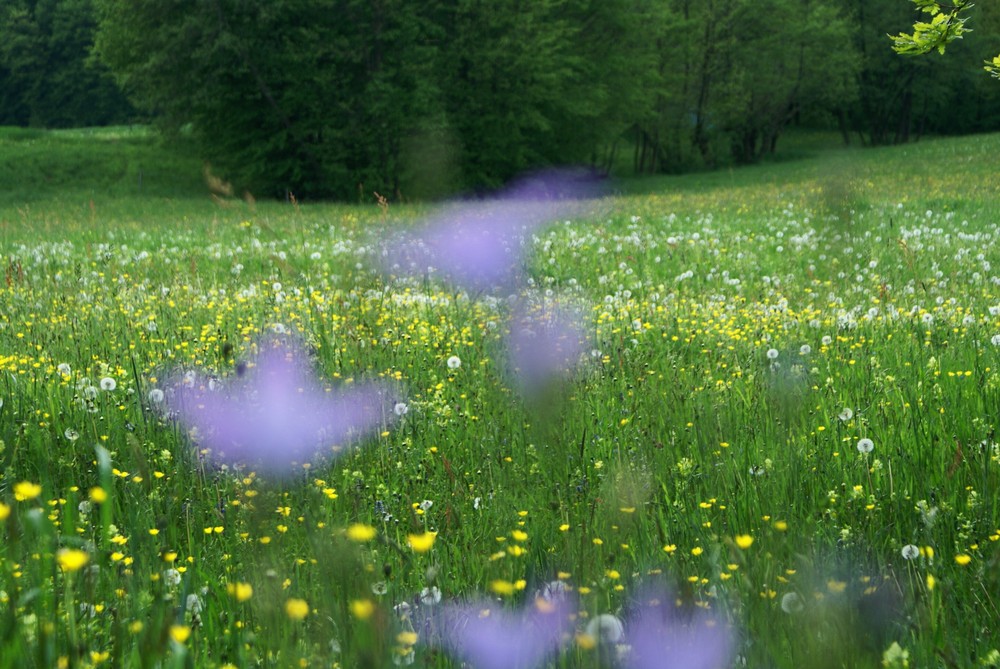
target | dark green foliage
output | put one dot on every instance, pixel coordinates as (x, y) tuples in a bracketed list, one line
[(349, 98), (46, 76)]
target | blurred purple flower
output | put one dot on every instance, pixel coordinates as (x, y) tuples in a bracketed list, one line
[(275, 412), (661, 637), (478, 244), (544, 343), (488, 636)]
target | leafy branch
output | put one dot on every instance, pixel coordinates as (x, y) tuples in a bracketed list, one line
[(947, 24)]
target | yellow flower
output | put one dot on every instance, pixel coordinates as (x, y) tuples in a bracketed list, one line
[(744, 541), (297, 609), (180, 633), (98, 495), (406, 638), (4, 511), (26, 490), (670, 548), (361, 533), (71, 559), (963, 559), (241, 592), (502, 587), (421, 543), (362, 609), (697, 550), (931, 581)]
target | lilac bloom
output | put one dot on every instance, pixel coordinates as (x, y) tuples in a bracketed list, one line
[(478, 245), (544, 343), (275, 412), (662, 638), (488, 636)]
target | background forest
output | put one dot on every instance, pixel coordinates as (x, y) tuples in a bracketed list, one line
[(344, 98)]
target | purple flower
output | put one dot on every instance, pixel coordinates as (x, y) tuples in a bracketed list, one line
[(544, 343), (274, 412), (661, 637), (488, 636), (478, 245)]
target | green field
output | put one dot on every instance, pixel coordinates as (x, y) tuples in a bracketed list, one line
[(748, 330)]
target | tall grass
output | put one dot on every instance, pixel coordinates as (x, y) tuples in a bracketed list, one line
[(749, 329)]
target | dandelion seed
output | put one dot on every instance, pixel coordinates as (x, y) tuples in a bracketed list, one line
[(772, 354), (605, 629), (454, 362), (792, 603), (805, 349), (430, 596), (64, 369), (846, 415), (995, 340), (865, 446), (401, 409), (910, 552), (108, 384), (155, 395), (71, 434)]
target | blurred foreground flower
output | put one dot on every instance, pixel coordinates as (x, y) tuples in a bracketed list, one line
[(488, 636), (478, 244), (544, 344), (275, 413), (662, 638)]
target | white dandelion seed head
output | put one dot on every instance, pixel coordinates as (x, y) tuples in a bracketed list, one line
[(71, 434), (826, 340), (910, 552), (401, 409), (454, 362), (865, 445), (430, 596), (846, 415), (772, 354), (64, 368), (155, 395), (426, 505), (792, 603), (995, 340), (805, 349), (606, 629), (108, 384)]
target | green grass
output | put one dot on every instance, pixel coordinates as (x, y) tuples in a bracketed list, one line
[(676, 434)]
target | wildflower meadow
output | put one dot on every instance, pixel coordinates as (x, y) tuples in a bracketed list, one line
[(738, 419)]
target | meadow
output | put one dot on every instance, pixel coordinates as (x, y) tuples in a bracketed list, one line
[(784, 416)]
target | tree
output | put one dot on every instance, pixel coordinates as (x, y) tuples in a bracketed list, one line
[(47, 77)]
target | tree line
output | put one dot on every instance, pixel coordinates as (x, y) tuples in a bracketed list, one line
[(346, 98)]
